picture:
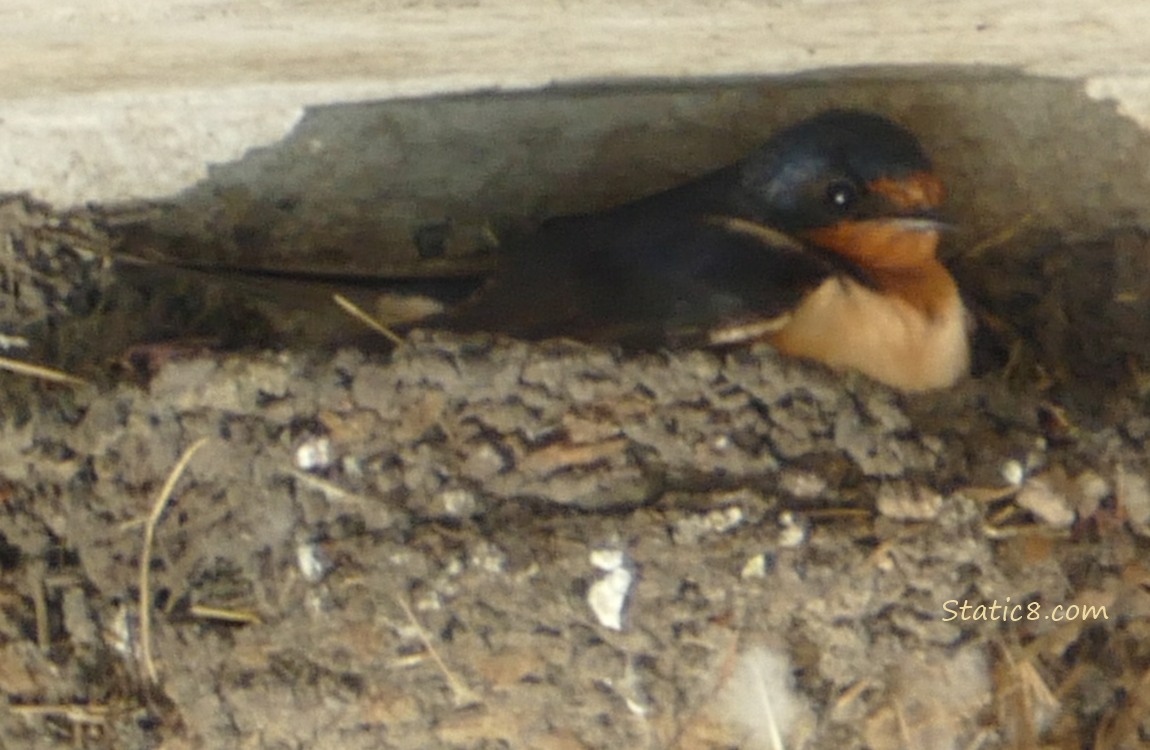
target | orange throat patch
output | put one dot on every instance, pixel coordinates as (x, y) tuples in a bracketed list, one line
[(909, 332), (900, 259)]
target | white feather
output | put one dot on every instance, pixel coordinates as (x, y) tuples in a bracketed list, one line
[(759, 699)]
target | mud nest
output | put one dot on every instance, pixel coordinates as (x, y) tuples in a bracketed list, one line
[(479, 543)]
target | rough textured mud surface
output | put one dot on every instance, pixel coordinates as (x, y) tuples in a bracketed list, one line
[(478, 543)]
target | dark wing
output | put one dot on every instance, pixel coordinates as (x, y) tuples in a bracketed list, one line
[(643, 277)]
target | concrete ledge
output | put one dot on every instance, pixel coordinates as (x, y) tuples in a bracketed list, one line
[(115, 101)]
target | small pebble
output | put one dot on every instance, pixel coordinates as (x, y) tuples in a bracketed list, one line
[(908, 502), (1050, 506)]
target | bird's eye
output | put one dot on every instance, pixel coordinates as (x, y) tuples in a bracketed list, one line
[(841, 196)]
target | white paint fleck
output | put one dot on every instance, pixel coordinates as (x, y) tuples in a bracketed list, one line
[(756, 567), (793, 532), (726, 519), (458, 502), (119, 633), (688, 530), (7, 343), (608, 596), (429, 602), (314, 454), (1013, 472), (312, 562), (607, 559), (489, 558), (802, 484)]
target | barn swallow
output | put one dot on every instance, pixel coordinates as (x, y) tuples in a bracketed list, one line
[(821, 242)]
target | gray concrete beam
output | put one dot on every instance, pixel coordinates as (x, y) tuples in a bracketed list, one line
[(286, 122)]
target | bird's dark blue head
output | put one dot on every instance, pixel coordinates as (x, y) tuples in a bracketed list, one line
[(838, 166)]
